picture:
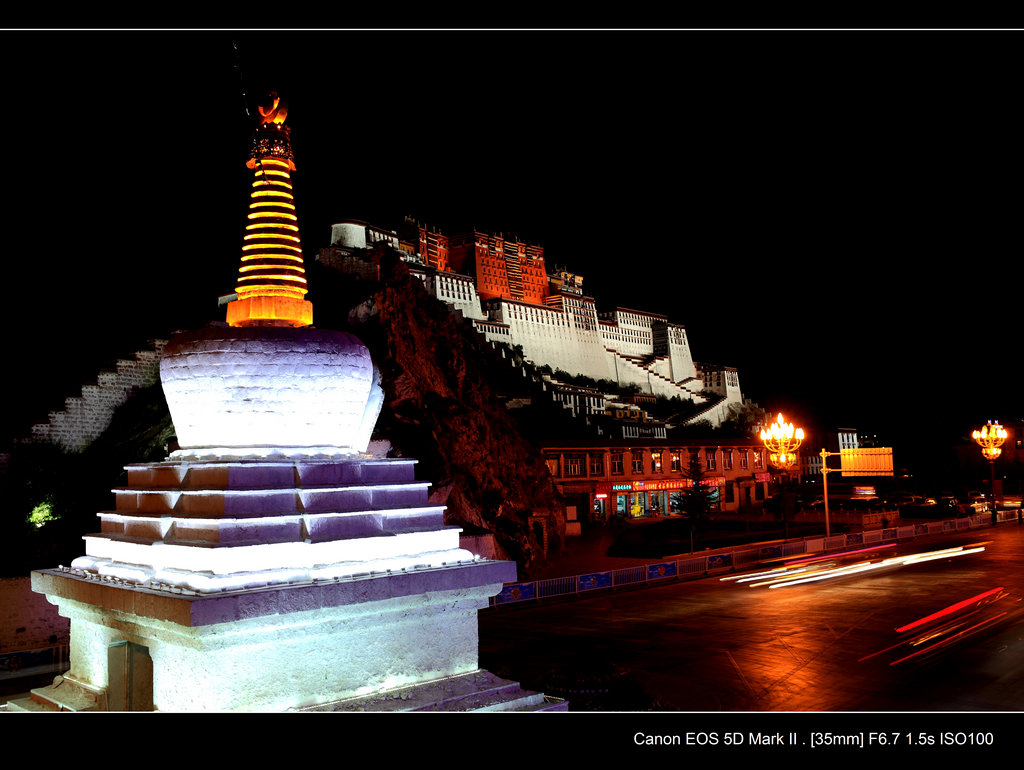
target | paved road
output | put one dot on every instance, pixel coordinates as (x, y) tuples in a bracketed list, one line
[(712, 645)]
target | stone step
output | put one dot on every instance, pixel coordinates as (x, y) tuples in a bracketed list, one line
[(266, 530), (263, 501), (85, 417), (269, 475), (63, 695), (476, 691)]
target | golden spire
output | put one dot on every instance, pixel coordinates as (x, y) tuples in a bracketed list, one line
[(271, 279)]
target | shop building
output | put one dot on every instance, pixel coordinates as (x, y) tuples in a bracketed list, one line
[(624, 479)]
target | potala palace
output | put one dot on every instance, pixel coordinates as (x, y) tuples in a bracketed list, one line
[(503, 286)]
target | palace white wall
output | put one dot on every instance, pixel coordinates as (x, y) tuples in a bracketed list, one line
[(459, 291), (551, 337)]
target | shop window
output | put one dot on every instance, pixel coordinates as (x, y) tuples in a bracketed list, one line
[(621, 507)]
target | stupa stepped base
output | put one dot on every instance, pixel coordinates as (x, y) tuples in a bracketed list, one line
[(478, 691), (228, 525), (272, 649)]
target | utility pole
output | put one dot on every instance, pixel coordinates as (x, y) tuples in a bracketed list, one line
[(825, 470)]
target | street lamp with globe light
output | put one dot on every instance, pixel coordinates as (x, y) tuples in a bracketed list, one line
[(990, 438), (782, 440)]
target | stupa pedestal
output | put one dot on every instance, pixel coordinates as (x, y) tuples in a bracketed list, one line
[(273, 649)]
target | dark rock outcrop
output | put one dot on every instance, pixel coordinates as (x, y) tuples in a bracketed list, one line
[(440, 409)]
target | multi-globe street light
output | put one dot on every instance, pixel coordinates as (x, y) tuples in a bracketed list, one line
[(990, 438), (782, 440)]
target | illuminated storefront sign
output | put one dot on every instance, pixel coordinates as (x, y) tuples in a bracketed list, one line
[(657, 486)]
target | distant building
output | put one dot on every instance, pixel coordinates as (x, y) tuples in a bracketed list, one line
[(724, 380), (619, 478), (831, 441), (503, 286)]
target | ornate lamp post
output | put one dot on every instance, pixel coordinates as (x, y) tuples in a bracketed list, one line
[(782, 440), (990, 438)]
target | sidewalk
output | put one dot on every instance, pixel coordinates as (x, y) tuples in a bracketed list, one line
[(588, 552)]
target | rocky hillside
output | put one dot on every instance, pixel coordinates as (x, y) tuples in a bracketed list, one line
[(440, 408)]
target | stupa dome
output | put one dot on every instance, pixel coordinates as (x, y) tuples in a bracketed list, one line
[(268, 391)]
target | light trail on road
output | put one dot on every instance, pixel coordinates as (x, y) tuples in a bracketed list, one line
[(806, 572)]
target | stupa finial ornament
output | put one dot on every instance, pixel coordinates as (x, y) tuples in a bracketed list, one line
[(275, 112), (271, 283)]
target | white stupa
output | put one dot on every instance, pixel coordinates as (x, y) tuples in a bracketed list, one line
[(270, 563)]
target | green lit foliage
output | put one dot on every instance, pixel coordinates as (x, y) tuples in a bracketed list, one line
[(41, 514)]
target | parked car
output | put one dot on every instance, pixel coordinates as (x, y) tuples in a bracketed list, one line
[(867, 504), (902, 499)]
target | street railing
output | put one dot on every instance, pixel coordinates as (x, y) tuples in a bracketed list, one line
[(733, 559)]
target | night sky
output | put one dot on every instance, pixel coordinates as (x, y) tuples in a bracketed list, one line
[(835, 214)]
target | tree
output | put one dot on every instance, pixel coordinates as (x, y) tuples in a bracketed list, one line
[(697, 497), (745, 419)]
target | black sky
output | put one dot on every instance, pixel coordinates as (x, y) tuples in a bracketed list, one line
[(828, 212)]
